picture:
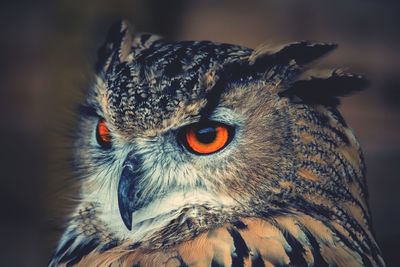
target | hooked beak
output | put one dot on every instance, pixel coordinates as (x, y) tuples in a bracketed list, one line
[(127, 191)]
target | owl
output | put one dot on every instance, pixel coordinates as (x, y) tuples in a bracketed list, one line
[(197, 153)]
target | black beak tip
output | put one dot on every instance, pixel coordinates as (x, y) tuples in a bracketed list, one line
[(125, 204), (127, 219)]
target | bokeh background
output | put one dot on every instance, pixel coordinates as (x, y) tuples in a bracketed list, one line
[(47, 52)]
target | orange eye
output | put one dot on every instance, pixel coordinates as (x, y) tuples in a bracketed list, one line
[(103, 134), (207, 138)]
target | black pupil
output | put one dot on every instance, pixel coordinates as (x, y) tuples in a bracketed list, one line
[(206, 135)]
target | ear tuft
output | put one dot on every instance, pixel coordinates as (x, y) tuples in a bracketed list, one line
[(118, 31), (123, 41), (302, 52), (325, 90)]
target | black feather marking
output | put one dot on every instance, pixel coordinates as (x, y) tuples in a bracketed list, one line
[(213, 97), (67, 244), (241, 249), (239, 224), (75, 255), (318, 259), (296, 254), (182, 263), (257, 261), (230, 72), (109, 245), (134, 246), (302, 52), (324, 91), (144, 38), (361, 252), (338, 117), (215, 263), (339, 134)]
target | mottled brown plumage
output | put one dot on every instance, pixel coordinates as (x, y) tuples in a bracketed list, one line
[(288, 188)]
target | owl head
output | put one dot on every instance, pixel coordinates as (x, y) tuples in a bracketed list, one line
[(202, 133)]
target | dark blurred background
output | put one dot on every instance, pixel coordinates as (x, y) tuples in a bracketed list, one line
[(47, 52)]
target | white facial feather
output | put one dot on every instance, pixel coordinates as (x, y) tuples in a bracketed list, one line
[(170, 179)]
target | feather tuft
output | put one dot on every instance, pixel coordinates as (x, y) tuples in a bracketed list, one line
[(302, 52), (325, 90)]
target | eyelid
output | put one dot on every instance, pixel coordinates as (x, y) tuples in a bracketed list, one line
[(226, 116)]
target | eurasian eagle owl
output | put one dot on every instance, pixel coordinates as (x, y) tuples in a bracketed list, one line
[(198, 153)]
